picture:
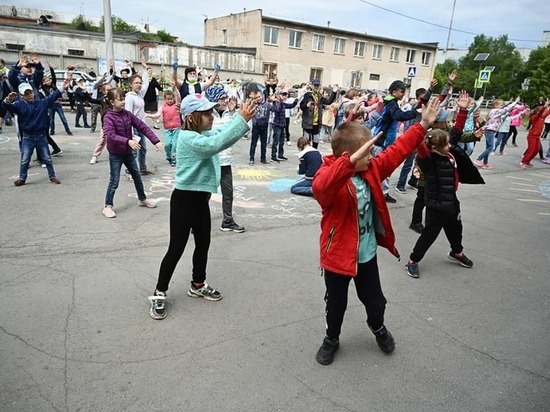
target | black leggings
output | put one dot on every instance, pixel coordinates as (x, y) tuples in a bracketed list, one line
[(514, 133), (188, 210), (369, 291)]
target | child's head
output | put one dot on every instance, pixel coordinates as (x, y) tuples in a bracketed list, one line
[(26, 92), (135, 82), (191, 74), (169, 97), (196, 113), (349, 137), (419, 92), (104, 88), (498, 103), (302, 143), (124, 73), (438, 140), (440, 121), (349, 109), (217, 94), (115, 99), (351, 93), (252, 91), (397, 89)]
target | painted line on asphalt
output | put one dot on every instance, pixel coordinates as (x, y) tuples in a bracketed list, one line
[(519, 178), (534, 200), (523, 184), (524, 190)]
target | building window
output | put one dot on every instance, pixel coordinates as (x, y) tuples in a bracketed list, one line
[(426, 56), (295, 39), (315, 73), (318, 42), (359, 49), (270, 70), (339, 45), (224, 37), (356, 79), (374, 77), (18, 47), (377, 51), (411, 54), (271, 35), (394, 54), (75, 52)]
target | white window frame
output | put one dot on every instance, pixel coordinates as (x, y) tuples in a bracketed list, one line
[(272, 29), (360, 48), (426, 57), (394, 54), (316, 43), (377, 50), (411, 56), (296, 33), (339, 45)]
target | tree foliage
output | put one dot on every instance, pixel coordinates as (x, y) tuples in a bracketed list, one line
[(536, 70)]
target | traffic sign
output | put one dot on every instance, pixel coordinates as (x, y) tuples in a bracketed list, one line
[(411, 72), (478, 85), (484, 76)]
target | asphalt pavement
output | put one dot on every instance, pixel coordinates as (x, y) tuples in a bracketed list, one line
[(76, 335)]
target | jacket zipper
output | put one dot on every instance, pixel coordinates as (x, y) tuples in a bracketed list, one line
[(330, 235), (357, 222)]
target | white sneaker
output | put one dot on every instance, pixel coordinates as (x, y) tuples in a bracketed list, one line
[(148, 203), (289, 143), (108, 212), (94, 160)]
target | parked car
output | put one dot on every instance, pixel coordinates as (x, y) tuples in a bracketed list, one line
[(61, 75)]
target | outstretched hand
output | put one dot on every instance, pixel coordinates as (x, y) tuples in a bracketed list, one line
[(430, 112), (248, 110), (365, 149), (452, 76)]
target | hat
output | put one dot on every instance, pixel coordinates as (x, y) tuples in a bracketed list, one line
[(23, 87), (191, 103), (213, 93), (442, 116), (316, 82), (398, 84)]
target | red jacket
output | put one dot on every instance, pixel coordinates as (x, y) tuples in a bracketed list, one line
[(537, 122), (335, 192)]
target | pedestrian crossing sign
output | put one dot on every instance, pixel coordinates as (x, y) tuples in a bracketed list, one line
[(411, 72), (484, 76)]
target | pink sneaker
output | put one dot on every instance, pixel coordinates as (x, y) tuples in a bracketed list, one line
[(478, 163), (546, 161), (522, 166), (487, 166)]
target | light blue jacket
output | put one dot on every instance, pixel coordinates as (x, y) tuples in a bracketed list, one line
[(197, 155)]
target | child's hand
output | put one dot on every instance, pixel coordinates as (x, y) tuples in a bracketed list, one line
[(248, 110), (11, 97), (364, 150), (433, 83), (134, 145), (160, 147), (429, 113), (452, 76)]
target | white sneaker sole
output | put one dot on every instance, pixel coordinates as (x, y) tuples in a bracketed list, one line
[(197, 295), (152, 312)]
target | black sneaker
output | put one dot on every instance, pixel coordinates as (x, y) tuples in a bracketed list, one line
[(205, 292), (284, 159), (274, 159), (325, 354), (158, 311), (417, 227), (389, 199), (412, 269), (145, 172), (460, 258), (264, 162), (385, 340), (228, 227)]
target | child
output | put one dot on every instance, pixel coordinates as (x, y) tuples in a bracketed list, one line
[(121, 144), (533, 137), (260, 123), (197, 177), (355, 220), (81, 96), (171, 121), (100, 144), (33, 122), (279, 107), (310, 161), (442, 171)]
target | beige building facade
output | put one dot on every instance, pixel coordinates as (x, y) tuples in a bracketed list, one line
[(295, 52)]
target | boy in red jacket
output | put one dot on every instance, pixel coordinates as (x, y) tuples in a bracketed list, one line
[(355, 220)]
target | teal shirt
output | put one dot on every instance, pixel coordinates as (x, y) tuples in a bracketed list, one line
[(197, 155), (367, 237)]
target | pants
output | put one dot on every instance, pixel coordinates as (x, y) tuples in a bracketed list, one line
[(546, 130), (142, 153), (405, 169), (171, 144), (533, 147), (100, 145), (327, 133), (81, 112), (313, 135), (30, 142), (386, 182), (115, 164), (188, 211), (502, 137), (278, 143), (287, 128), (514, 133), (226, 186), (435, 221), (258, 132), (57, 108), (489, 146), (96, 108), (302, 187), (369, 292), (467, 147), (418, 206)]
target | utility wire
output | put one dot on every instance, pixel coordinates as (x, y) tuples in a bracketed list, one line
[(434, 24)]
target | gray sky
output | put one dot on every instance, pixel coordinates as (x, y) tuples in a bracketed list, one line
[(520, 19)]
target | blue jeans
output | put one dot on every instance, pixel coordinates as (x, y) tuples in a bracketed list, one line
[(502, 137), (57, 108), (171, 144), (258, 133), (142, 152), (489, 145), (302, 187), (405, 169), (278, 143), (467, 147), (27, 146), (115, 163)]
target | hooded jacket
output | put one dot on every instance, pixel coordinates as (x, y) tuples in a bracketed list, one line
[(117, 127), (389, 120)]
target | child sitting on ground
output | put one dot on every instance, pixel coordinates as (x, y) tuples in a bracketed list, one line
[(310, 161)]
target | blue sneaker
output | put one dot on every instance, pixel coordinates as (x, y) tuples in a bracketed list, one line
[(412, 269)]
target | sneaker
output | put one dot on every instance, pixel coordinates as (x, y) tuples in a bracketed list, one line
[(157, 311), (460, 258), (77, 126), (228, 227), (43, 165), (546, 161), (145, 172), (487, 166), (417, 227), (264, 162), (92, 130), (86, 126), (325, 354), (205, 292), (148, 203), (502, 153), (251, 163), (401, 190), (289, 143), (478, 163), (515, 145), (57, 153), (282, 158), (19, 182), (93, 160), (70, 133), (274, 159), (522, 166), (389, 199), (108, 212), (128, 177), (412, 269), (385, 340), (55, 180)]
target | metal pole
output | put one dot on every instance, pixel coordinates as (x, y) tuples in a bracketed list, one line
[(450, 28), (108, 26)]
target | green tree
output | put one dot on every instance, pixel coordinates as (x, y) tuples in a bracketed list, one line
[(81, 23), (119, 26), (536, 70)]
